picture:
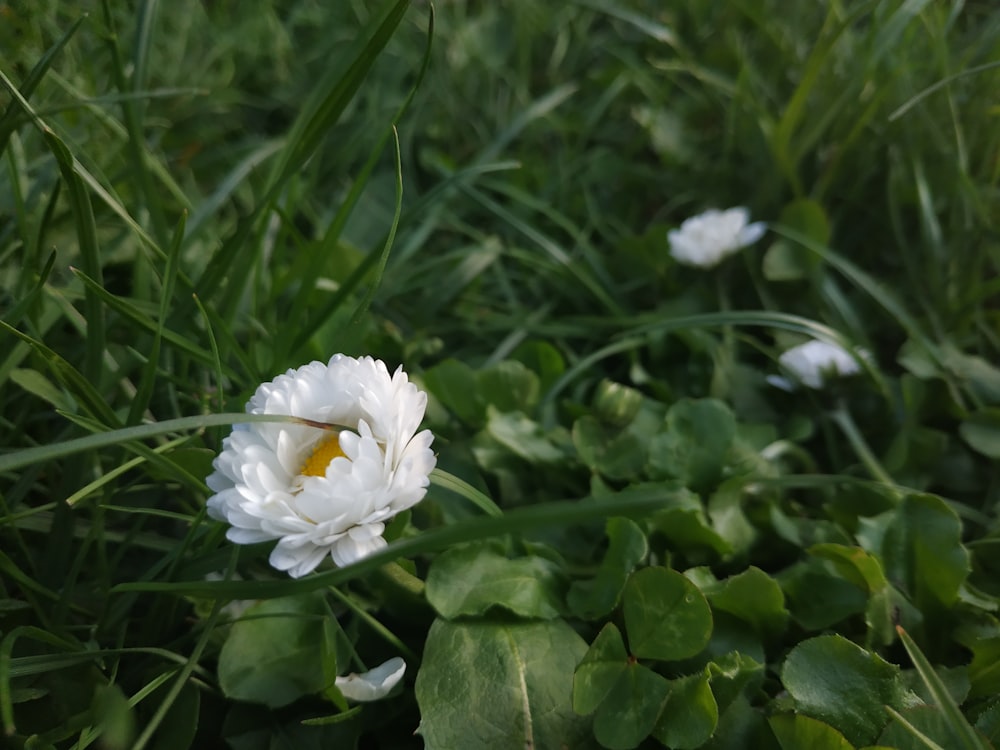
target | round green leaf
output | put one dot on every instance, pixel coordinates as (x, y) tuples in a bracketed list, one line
[(626, 548), (839, 682), (270, 656), (798, 732), (612, 452), (605, 662), (629, 713), (754, 597), (982, 432), (454, 384), (691, 714), (494, 686), (509, 386), (696, 445), (818, 597), (666, 616), (469, 580)]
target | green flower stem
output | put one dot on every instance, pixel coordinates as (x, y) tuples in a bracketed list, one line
[(846, 423)]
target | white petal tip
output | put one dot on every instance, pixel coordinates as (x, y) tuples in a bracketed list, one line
[(374, 684)]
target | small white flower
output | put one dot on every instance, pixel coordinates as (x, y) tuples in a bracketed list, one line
[(372, 685), (707, 238), (324, 492), (813, 362)]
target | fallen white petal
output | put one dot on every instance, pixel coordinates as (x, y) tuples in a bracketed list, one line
[(374, 684)]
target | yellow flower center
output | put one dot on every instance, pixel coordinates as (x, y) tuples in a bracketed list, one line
[(325, 451)]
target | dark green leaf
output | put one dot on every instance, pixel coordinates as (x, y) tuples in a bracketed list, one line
[(522, 437), (508, 386), (922, 548), (629, 713), (797, 732), (606, 660), (453, 383), (754, 597), (835, 680), (695, 447), (500, 685), (691, 714), (627, 547), (270, 656), (616, 454), (543, 359), (982, 432), (666, 616), (469, 580), (733, 675), (818, 597)]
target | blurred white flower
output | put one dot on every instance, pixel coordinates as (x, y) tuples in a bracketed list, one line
[(322, 491), (372, 685), (707, 238), (813, 362), (234, 609)]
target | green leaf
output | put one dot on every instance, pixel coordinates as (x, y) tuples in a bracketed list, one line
[(453, 383), (798, 732), (691, 714), (627, 547), (982, 432), (605, 661), (818, 597), (629, 713), (683, 522), (666, 616), (616, 454), (754, 597), (500, 685), (984, 671), (522, 437), (471, 579), (857, 566), (923, 550), (733, 675), (271, 654), (696, 445), (837, 681), (962, 733), (543, 359), (508, 386)]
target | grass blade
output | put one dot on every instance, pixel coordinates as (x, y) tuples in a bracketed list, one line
[(960, 726)]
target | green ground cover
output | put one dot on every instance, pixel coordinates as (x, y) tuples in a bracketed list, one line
[(633, 537)]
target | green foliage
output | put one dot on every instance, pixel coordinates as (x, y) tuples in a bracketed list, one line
[(520, 671), (270, 655), (633, 538)]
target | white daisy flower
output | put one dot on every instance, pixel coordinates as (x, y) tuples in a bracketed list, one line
[(322, 491), (374, 684), (813, 362), (707, 238)]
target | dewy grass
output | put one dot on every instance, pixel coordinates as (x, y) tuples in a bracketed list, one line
[(201, 198)]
